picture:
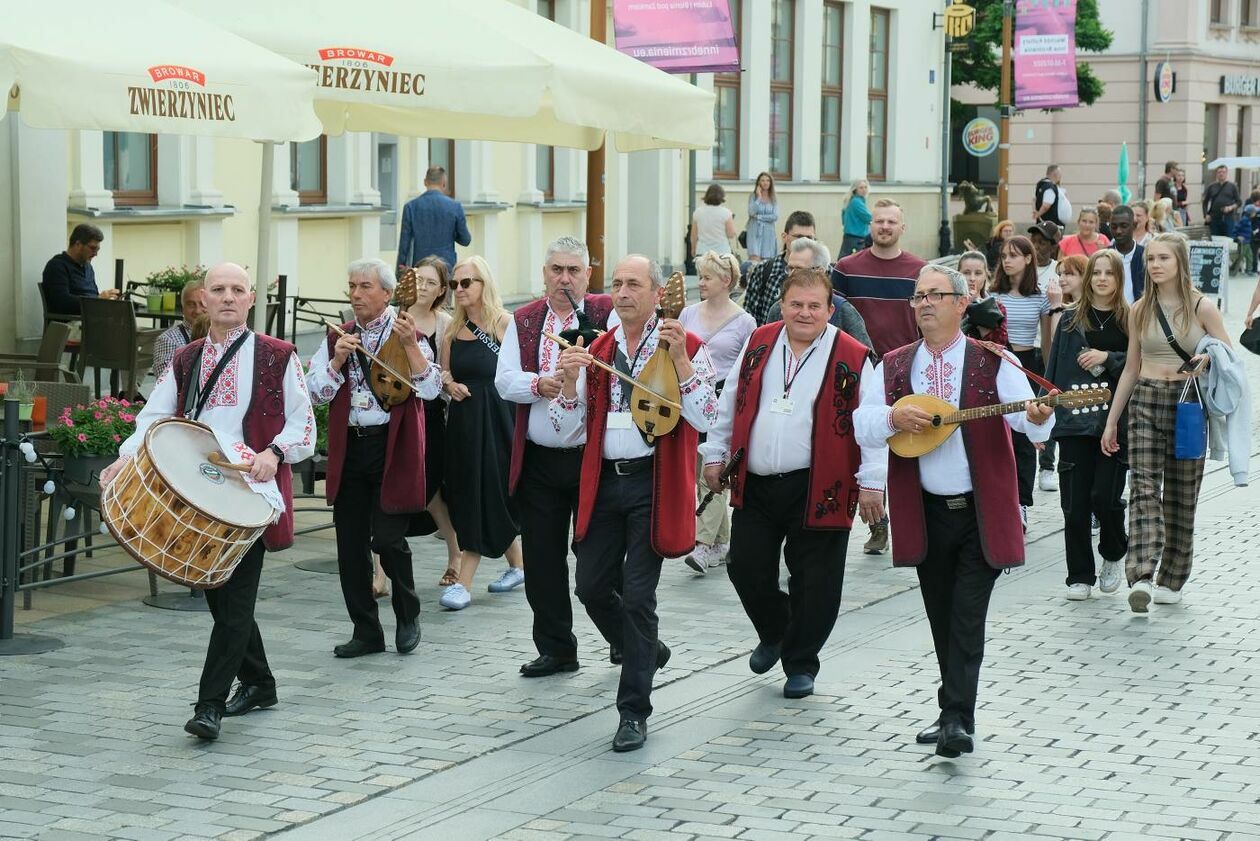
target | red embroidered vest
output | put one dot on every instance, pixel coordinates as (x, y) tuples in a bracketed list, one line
[(529, 326), (402, 487), (834, 454), (989, 456), (673, 470), (264, 419)]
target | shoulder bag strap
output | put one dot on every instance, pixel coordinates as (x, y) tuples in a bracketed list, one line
[(1168, 333), (1000, 352), (482, 336), (202, 394)]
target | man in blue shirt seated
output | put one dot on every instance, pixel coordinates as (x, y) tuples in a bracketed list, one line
[(432, 223), (68, 277)]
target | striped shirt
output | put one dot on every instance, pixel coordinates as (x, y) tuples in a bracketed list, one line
[(1023, 316), (880, 290)]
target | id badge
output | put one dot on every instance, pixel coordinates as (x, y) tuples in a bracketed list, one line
[(620, 420), (360, 401), (782, 405)]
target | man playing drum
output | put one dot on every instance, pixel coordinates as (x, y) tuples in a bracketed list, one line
[(250, 390)]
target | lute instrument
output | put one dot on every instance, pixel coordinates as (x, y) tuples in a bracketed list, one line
[(387, 387), (653, 415), (628, 380), (946, 418), (402, 382)]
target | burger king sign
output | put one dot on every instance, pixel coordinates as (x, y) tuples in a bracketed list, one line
[(980, 137)]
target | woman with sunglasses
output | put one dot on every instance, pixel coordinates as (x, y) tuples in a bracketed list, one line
[(434, 324), (478, 434)]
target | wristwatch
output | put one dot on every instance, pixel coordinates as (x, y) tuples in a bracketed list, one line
[(275, 448)]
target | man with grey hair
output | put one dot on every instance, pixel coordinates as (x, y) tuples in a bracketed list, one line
[(249, 389), (432, 223), (637, 499), (546, 466), (955, 509), (375, 455), (806, 253)]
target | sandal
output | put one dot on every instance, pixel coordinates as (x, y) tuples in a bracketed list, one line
[(448, 578)]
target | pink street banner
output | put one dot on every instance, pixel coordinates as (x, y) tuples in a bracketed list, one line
[(1045, 54), (677, 36)]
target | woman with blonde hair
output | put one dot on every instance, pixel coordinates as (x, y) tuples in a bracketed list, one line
[(856, 219), (1090, 348), (1087, 239), (724, 326), (478, 434), (1168, 321)]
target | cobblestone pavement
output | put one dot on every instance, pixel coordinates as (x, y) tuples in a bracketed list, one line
[(1094, 723)]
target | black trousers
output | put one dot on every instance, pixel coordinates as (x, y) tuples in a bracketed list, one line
[(546, 497), (771, 519), (618, 543), (363, 528), (1090, 483), (236, 647), (955, 582), (1025, 451)]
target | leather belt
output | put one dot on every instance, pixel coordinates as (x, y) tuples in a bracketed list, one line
[(368, 431), (956, 502), (628, 466)]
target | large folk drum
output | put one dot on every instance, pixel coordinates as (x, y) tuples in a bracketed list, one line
[(178, 514)]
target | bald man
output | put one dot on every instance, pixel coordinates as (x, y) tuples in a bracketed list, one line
[(229, 381)]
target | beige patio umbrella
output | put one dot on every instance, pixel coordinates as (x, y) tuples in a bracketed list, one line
[(470, 69)]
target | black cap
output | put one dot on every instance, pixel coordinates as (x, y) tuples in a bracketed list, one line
[(1047, 229)]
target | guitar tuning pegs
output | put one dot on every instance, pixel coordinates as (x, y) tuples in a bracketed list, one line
[(1076, 411), (1075, 386)]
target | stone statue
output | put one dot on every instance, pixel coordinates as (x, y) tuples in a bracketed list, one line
[(977, 220), (974, 199)]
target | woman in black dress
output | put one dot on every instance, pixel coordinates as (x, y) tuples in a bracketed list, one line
[(478, 434), (434, 323)]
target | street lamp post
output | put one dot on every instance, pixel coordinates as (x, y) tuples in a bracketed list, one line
[(1004, 140), (595, 163)]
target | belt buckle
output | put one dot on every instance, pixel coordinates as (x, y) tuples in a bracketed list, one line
[(618, 466), (956, 503)]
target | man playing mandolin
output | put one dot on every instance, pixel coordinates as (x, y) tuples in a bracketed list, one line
[(787, 422), (375, 453), (955, 508), (637, 499)]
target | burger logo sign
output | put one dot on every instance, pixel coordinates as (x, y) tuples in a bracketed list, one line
[(179, 93), (357, 69), (980, 137)]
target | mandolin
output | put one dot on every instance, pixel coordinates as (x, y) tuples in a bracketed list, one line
[(946, 418), (653, 416), (387, 387)]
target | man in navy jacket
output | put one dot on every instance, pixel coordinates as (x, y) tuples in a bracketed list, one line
[(432, 223), (1130, 252)]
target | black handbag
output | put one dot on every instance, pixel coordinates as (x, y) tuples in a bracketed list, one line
[(1250, 338), (743, 238)]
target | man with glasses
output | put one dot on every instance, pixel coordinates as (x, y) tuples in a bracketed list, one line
[(766, 278), (955, 510), (798, 476), (546, 465)]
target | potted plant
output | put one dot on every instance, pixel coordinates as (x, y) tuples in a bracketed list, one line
[(23, 392), (88, 436), (170, 283)]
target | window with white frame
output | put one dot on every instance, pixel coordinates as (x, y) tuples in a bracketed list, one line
[(782, 33), (131, 172), (726, 89), (877, 114), (832, 90)]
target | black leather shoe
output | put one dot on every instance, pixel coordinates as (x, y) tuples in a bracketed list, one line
[(631, 735), (763, 657), (357, 648), (250, 697), (614, 655), (548, 665), (953, 741), (205, 722), (930, 735), (407, 636), (662, 654), (798, 686)]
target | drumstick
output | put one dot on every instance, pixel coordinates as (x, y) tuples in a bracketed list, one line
[(219, 461), (625, 377)]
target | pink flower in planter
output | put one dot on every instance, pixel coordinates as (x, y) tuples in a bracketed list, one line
[(69, 422), (98, 415), (82, 437), (123, 403), (127, 417), (117, 438)]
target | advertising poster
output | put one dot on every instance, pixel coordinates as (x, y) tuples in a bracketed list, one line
[(1045, 54), (677, 36)]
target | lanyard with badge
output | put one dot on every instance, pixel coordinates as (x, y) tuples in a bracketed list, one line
[(784, 404), (621, 419)]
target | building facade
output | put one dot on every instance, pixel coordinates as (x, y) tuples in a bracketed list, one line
[(831, 92)]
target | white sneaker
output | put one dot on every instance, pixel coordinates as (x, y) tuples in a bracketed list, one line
[(698, 559), (1094, 525), (720, 553), (455, 597), (1023, 517), (1140, 596), (1049, 480), (1163, 595), (1078, 592), (508, 580), (1110, 576)]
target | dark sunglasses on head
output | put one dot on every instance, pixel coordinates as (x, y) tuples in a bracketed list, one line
[(463, 283)]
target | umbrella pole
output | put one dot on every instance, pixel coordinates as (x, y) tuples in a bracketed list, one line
[(1004, 136), (262, 276), (595, 162)]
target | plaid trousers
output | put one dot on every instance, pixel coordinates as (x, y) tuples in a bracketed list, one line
[(1163, 490)]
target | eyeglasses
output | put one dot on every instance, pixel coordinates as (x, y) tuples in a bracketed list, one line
[(918, 298), (464, 283)]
